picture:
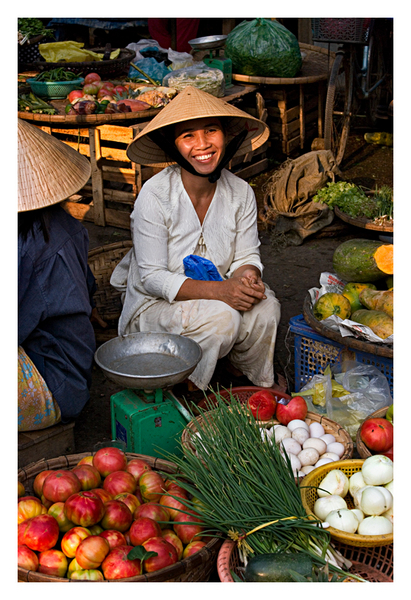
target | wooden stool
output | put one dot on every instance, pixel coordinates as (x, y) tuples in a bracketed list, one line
[(45, 443)]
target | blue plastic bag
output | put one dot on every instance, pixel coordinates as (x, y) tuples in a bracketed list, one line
[(197, 267), (151, 67)]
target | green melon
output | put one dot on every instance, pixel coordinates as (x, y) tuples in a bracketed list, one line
[(363, 261)]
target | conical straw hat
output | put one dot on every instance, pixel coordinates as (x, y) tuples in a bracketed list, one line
[(192, 103), (49, 171)]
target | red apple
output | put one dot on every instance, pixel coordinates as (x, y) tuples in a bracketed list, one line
[(377, 434), (117, 516), (137, 466), (166, 554), (84, 509), (53, 562), (118, 482), (188, 527), (89, 476), (172, 538), (56, 510), (114, 538), (60, 484), (143, 529), (295, 409), (27, 558), (151, 486), (192, 548), (40, 533), (116, 565), (92, 551), (129, 499), (110, 459), (262, 405), (153, 511), (71, 540)]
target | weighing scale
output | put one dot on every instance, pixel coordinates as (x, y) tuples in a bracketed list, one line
[(216, 60), (146, 415)]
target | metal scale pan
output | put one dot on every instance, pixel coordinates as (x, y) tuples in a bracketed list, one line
[(148, 360), (210, 42)]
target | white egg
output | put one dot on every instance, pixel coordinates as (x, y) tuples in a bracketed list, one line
[(300, 434), (328, 438), (291, 446), (337, 448), (295, 463), (297, 423), (308, 456), (280, 433), (331, 455), (307, 469), (316, 443), (316, 430)]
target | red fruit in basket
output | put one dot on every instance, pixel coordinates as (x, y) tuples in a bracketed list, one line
[(39, 533), (29, 507), (92, 551), (119, 482), (60, 484), (137, 466), (117, 565), (192, 548), (188, 527), (143, 529), (39, 481), (75, 94), (153, 511), (166, 554), (117, 516), (262, 404), (71, 540), (84, 509), (295, 409), (89, 476), (377, 434), (172, 538), (151, 486), (92, 78), (130, 500), (114, 538), (53, 562), (389, 453), (110, 459), (26, 558)]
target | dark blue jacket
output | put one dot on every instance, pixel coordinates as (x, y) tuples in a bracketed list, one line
[(55, 287)]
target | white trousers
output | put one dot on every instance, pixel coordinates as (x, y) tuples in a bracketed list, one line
[(248, 338)]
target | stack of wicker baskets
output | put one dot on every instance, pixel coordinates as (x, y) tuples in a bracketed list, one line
[(196, 568)]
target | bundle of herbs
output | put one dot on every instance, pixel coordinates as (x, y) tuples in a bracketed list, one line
[(355, 202), (244, 488)]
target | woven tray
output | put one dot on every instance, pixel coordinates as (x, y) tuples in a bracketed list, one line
[(340, 434), (362, 222), (105, 68), (350, 341), (102, 261), (362, 449), (315, 67), (372, 564), (309, 496), (195, 568)]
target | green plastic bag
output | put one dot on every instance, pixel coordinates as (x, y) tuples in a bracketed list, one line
[(263, 48)]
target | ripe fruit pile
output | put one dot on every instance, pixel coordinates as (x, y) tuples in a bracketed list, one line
[(107, 518)]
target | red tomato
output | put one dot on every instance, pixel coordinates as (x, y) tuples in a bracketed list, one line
[(116, 565), (166, 554), (60, 484), (108, 85), (118, 482), (119, 89), (90, 88), (71, 540), (53, 562), (107, 460), (151, 486), (92, 77), (84, 509), (92, 551), (28, 508), (26, 558), (104, 92), (377, 434), (295, 409), (75, 94), (262, 404)]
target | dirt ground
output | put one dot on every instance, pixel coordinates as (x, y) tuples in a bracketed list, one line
[(290, 271)]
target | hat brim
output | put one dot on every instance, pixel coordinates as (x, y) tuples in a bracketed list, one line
[(49, 171), (189, 104)]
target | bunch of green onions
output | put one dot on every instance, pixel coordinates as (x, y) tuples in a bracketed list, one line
[(246, 490)]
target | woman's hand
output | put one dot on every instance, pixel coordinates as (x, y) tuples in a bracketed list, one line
[(242, 293)]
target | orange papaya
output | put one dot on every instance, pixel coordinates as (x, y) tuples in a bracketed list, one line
[(332, 303), (363, 261), (379, 322), (352, 292), (378, 300)]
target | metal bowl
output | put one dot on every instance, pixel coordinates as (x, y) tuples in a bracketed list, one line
[(148, 360), (209, 42)]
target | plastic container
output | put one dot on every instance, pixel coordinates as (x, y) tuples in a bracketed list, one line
[(313, 352), (54, 90)]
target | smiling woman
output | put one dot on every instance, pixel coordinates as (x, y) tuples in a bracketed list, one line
[(195, 206)]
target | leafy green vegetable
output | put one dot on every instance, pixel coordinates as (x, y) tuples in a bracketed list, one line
[(34, 104), (33, 27), (354, 202), (263, 47)]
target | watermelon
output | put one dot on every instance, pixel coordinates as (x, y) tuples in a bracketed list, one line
[(264, 48), (363, 261)]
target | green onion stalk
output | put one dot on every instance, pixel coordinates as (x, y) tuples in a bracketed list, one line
[(242, 487)]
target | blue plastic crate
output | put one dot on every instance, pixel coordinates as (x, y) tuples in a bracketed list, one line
[(313, 352)]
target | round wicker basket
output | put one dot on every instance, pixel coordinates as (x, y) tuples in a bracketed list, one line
[(243, 393), (362, 449), (196, 568), (102, 261), (309, 496), (105, 68), (373, 564)]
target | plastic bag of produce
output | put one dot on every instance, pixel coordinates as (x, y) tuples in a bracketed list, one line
[(71, 51), (199, 76), (263, 47)]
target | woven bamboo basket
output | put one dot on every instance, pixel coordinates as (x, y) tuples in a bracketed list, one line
[(102, 261), (196, 568), (105, 68), (243, 393), (372, 564), (309, 496), (362, 449)]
